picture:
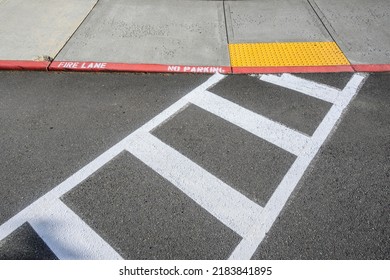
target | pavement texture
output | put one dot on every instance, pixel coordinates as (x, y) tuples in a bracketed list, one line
[(196, 36), (146, 217), (55, 124), (341, 208), (198, 134), (25, 244), (51, 130)]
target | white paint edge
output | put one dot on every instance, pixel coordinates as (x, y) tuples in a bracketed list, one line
[(271, 131), (180, 104), (313, 89), (68, 236), (246, 249), (30, 211), (222, 201)]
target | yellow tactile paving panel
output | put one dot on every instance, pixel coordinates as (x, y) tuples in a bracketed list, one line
[(286, 54)]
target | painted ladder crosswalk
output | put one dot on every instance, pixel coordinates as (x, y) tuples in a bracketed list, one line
[(69, 237)]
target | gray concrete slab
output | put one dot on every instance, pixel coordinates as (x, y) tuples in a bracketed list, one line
[(53, 124), (360, 28), (230, 153), (340, 210), (273, 21), (293, 109), (25, 244), (31, 30), (143, 216), (152, 32)]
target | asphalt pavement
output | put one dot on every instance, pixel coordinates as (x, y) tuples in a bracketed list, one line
[(154, 167)]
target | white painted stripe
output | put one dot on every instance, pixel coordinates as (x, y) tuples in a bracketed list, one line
[(68, 236), (12, 224), (225, 203), (86, 171), (351, 90), (271, 131), (180, 104), (93, 166), (71, 182), (320, 91), (246, 249), (23, 216)]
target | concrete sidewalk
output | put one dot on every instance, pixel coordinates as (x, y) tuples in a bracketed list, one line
[(196, 36)]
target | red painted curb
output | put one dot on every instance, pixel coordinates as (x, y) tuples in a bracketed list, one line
[(24, 65), (292, 69), (90, 66), (371, 67)]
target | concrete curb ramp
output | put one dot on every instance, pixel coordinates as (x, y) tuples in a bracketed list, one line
[(195, 36)]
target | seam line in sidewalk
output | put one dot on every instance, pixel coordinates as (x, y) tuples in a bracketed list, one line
[(71, 36)]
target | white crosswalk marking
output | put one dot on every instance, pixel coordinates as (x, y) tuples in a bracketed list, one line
[(297, 84), (246, 249), (49, 208), (71, 238), (60, 228), (271, 131), (225, 203)]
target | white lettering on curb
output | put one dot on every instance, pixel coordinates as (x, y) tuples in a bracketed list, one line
[(196, 69), (82, 65)]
